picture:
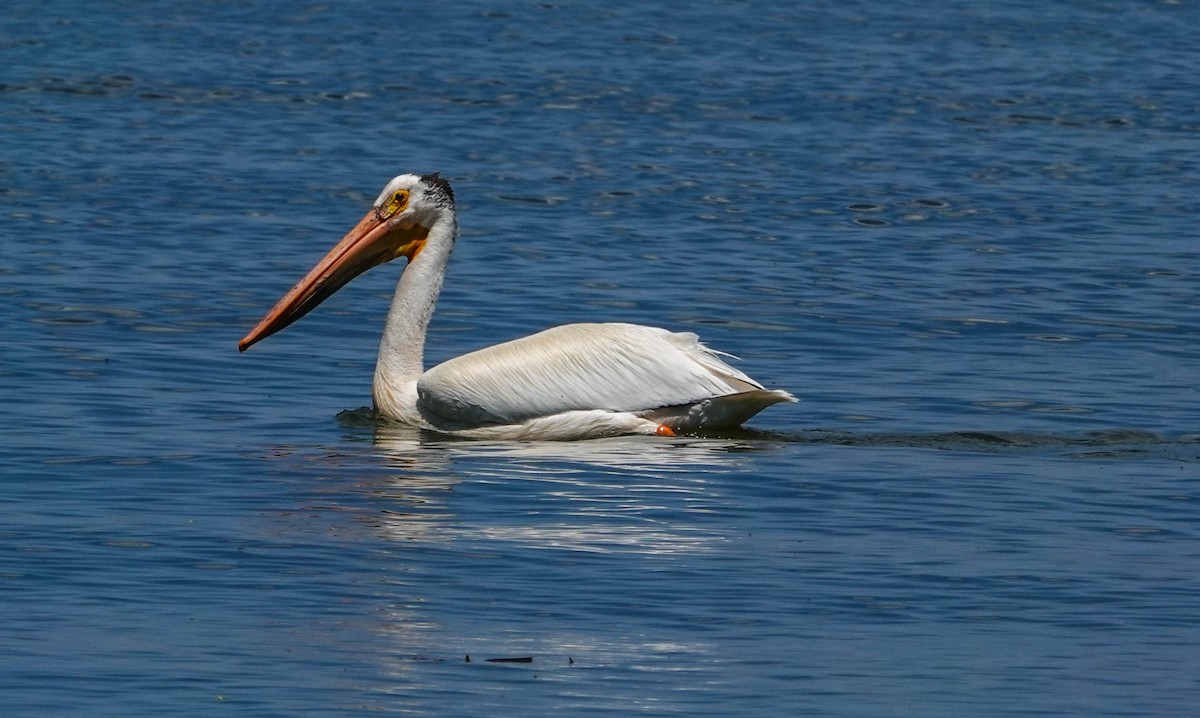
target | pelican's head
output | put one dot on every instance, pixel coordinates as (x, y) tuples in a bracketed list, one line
[(397, 225)]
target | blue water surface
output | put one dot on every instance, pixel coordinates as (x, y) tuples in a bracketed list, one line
[(963, 233)]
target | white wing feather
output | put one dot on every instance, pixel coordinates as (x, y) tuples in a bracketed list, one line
[(617, 367)]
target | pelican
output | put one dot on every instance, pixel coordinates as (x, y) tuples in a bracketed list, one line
[(576, 381)]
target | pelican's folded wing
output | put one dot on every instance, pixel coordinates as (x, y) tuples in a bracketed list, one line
[(615, 367)]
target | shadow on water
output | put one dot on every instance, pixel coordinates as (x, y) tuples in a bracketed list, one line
[(1099, 444), (1109, 443)]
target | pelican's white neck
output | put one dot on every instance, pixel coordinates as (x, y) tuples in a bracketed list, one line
[(402, 349)]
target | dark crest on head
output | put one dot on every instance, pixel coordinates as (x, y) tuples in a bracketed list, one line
[(441, 188)]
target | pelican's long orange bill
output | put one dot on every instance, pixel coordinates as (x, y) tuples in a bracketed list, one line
[(372, 241)]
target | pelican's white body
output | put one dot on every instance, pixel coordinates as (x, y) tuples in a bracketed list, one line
[(578, 381)]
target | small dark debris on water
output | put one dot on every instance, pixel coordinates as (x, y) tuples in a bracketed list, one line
[(514, 659)]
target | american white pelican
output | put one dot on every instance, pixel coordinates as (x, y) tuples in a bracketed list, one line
[(575, 381)]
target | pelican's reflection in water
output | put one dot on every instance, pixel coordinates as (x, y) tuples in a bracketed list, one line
[(532, 549), (629, 494), (537, 548)]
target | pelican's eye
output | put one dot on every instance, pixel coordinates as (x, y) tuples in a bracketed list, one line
[(396, 203)]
